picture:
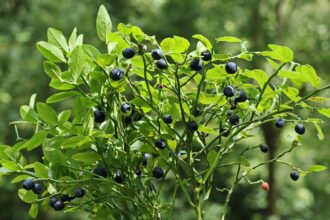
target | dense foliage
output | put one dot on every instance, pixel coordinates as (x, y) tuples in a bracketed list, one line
[(143, 114)]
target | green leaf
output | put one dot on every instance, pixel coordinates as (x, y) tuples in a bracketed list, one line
[(103, 23), (124, 29), (207, 130), (77, 62), (292, 93), (204, 40), (211, 156), (10, 165), (87, 157), (28, 114), (258, 75), (76, 141), (309, 74), (281, 53), (33, 211), (73, 39), (32, 100), (228, 39), (208, 99), (324, 111), (35, 141), (316, 168), (243, 161), (318, 99), (47, 113), (41, 170), (61, 96), (56, 37), (320, 134), (50, 52), (27, 196), (138, 34)]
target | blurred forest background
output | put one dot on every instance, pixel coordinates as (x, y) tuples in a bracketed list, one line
[(301, 25)]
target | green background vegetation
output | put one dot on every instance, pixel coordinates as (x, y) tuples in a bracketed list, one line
[(300, 25)]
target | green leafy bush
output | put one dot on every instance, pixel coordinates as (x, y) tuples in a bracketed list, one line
[(143, 112)]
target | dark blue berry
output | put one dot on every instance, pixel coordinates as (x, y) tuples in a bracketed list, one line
[(37, 188), (263, 148), (300, 129), (58, 205), (99, 116), (168, 119), (28, 184), (242, 97), (79, 192), (228, 113), (279, 123), (196, 64), (234, 119), (100, 171), (128, 53), (161, 64), (192, 126), (116, 74), (157, 54), (206, 55), (294, 175), (231, 67), (158, 172), (125, 107), (160, 143), (119, 177), (52, 201), (229, 91), (146, 157)]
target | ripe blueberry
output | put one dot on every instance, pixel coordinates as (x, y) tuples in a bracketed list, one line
[(157, 54), (231, 67), (161, 64), (229, 91), (138, 172), (58, 205), (294, 175), (279, 123), (197, 111), (226, 132), (265, 186), (128, 53), (28, 184), (158, 172), (146, 157), (182, 154), (242, 97), (79, 192), (125, 107), (160, 143), (263, 148), (116, 74), (100, 171), (37, 188), (99, 116), (52, 201), (196, 64), (300, 129), (228, 113), (168, 119), (192, 126), (66, 198), (119, 177), (206, 55), (234, 119)]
